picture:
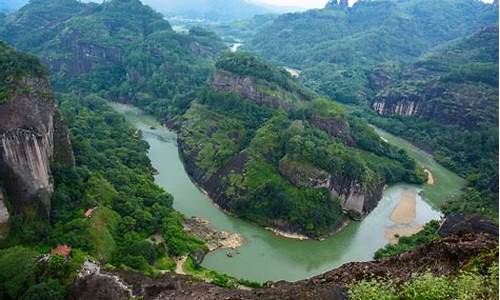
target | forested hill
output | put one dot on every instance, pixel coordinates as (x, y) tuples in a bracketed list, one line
[(447, 102), (120, 49), (336, 47), (270, 150)]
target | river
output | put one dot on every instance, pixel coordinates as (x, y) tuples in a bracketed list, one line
[(264, 256)]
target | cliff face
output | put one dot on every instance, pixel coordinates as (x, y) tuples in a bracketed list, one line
[(246, 87), (265, 148), (32, 134), (457, 84), (356, 199)]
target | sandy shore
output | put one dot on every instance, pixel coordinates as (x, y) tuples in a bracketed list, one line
[(394, 233), (406, 211), (287, 235), (430, 178)]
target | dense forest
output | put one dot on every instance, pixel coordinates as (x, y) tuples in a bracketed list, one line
[(266, 158), (121, 50), (268, 147), (433, 81), (113, 176), (455, 94), (336, 48)]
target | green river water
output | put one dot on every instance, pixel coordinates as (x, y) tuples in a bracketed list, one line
[(265, 256)]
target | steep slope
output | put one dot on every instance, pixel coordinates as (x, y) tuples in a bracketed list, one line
[(33, 136), (337, 47), (268, 149), (120, 49), (448, 102), (456, 84)]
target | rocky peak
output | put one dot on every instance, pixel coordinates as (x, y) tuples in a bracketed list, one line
[(339, 4), (33, 136)]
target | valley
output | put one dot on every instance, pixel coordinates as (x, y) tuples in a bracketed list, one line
[(216, 149), (265, 256)]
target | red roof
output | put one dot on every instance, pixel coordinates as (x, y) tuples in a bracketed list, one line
[(89, 212), (62, 250)]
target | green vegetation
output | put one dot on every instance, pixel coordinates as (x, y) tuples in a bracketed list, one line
[(112, 175), (473, 284), (462, 131), (121, 50), (221, 280), (337, 49), (406, 243), (15, 66), (273, 166)]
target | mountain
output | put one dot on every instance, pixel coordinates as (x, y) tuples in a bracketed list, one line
[(337, 47), (455, 84), (210, 10), (9, 6), (33, 136), (447, 102), (271, 151), (121, 49)]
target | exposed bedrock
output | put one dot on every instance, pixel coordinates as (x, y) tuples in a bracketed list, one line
[(32, 137), (357, 199), (245, 86)]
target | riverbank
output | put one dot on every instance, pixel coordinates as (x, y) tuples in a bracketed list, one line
[(264, 256), (213, 238), (288, 235)]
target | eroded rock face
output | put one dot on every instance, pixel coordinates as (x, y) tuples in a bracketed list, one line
[(32, 134), (244, 86), (356, 199), (4, 218)]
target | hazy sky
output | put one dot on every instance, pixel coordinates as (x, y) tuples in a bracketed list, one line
[(307, 3)]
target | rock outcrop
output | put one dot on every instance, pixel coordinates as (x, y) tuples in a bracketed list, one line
[(440, 88), (32, 136), (246, 87), (444, 256), (357, 200), (339, 4), (4, 217)]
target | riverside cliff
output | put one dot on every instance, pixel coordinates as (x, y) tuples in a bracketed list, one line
[(440, 87), (33, 135), (269, 150)]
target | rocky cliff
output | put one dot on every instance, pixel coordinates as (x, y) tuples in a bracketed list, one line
[(266, 148), (357, 199), (248, 89), (33, 137), (457, 84)]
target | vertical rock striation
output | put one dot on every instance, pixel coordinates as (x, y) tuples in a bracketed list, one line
[(32, 135)]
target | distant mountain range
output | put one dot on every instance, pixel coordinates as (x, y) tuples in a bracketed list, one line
[(7, 6), (205, 10)]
